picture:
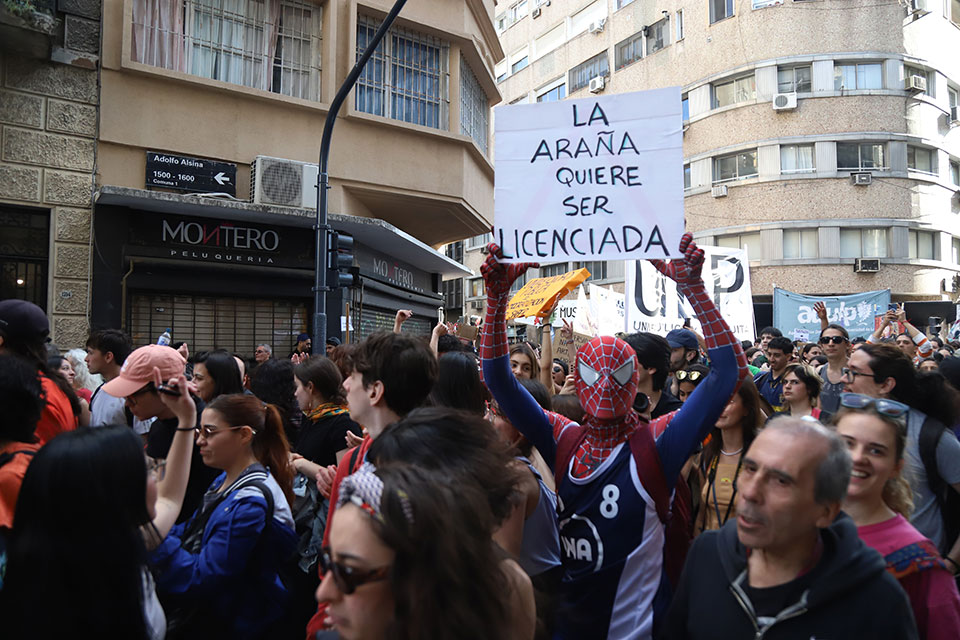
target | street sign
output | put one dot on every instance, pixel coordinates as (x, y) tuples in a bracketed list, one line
[(190, 174)]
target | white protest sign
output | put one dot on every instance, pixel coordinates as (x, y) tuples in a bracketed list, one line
[(607, 307), (597, 178), (654, 305)]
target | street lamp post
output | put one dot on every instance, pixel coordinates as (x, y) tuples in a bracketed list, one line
[(320, 284)]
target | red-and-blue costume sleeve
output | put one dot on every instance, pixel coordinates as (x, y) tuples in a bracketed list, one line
[(728, 367)]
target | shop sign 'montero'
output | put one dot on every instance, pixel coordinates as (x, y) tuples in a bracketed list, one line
[(224, 241), (184, 173)]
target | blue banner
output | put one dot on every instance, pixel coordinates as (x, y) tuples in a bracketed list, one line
[(794, 315)]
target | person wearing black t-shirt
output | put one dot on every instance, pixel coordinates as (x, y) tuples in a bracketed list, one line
[(791, 565)]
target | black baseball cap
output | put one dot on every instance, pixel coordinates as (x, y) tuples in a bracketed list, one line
[(22, 320)]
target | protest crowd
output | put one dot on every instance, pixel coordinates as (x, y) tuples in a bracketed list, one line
[(687, 485)]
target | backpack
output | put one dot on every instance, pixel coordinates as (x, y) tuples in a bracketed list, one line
[(677, 518), (948, 500)]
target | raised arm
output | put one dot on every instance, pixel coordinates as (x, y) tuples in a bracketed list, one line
[(171, 489), (692, 422), (517, 404)]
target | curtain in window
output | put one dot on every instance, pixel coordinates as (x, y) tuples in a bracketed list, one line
[(158, 34)]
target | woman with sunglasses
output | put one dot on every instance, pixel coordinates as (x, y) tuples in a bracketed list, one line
[(411, 557), (119, 504), (689, 378), (217, 573), (722, 457), (801, 389), (879, 500), (835, 342)]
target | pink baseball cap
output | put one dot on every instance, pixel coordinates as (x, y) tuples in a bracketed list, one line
[(137, 369)]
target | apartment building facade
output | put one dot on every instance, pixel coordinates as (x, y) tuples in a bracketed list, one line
[(245, 85), (820, 135)]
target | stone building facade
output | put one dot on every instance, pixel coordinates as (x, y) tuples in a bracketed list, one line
[(49, 82)]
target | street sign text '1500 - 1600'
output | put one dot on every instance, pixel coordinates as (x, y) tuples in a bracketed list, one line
[(190, 174)]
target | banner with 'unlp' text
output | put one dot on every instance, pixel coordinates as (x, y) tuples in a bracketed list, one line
[(590, 179)]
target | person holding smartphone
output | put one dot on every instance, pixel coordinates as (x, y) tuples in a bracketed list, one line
[(912, 342)]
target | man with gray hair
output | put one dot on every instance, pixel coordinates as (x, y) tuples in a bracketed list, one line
[(791, 565), (262, 353)]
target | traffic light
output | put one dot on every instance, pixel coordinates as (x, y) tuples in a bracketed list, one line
[(341, 272)]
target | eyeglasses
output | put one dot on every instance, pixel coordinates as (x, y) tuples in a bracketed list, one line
[(349, 578), (832, 339), (890, 408), (692, 376), (850, 373), (132, 398), (208, 432), (157, 466)]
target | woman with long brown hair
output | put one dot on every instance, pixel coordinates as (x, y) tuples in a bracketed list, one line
[(722, 456), (217, 573)]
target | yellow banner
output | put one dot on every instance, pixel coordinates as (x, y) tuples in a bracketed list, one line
[(540, 295)]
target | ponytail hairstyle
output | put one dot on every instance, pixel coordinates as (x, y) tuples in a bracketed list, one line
[(896, 492), (269, 443)]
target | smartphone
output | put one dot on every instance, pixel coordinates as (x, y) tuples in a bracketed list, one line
[(168, 390), (893, 306)]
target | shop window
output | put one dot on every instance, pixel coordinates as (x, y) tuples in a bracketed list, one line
[(271, 45), (474, 107), (405, 79), (24, 254)]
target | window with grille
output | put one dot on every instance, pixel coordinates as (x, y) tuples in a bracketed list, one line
[(581, 74), (793, 79), (271, 45), (474, 107), (406, 77), (453, 293), (855, 155), (454, 251), (847, 77), (205, 322), (24, 253), (736, 166)]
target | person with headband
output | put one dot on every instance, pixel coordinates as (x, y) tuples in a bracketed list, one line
[(217, 573), (411, 557)]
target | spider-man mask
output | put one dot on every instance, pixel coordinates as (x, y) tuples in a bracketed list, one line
[(606, 377)]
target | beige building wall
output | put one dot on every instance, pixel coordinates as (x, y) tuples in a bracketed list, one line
[(436, 184), (754, 43), (48, 127)]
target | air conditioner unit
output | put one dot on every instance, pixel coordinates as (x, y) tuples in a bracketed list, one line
[(785, 101), (918, 6), (861, 178), (866, 265), (719, 191), (955, 114), (915, 83), (597, 25), (536, 12), (287, 183), (596, 84)]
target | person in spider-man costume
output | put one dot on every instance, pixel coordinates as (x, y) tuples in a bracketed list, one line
[(611, 538)]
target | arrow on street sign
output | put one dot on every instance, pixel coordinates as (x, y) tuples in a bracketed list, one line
[(221, 179)]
